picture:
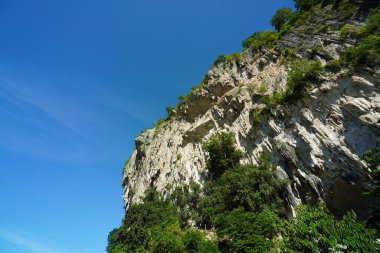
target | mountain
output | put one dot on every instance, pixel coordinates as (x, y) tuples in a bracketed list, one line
[(305, 97)]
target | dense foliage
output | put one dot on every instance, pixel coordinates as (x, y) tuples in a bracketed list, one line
[(242, 231), (367, 50), (372, 157), (259, 39), (281, 16), (304, 5), (315, 230), (302, 74), (153, 226), (222, 154)]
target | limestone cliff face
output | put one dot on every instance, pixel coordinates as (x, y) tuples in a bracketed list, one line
[(315, 141)]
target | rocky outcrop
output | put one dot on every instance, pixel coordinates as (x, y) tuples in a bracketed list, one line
[(316, 142)]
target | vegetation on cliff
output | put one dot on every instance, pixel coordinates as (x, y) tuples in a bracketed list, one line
[(242, 208)]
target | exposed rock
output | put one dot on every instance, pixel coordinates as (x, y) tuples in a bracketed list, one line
[(316, 141)]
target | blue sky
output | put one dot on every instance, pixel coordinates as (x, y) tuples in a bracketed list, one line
[(78, 81)]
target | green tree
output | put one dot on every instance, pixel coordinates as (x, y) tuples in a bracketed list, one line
[(372, 157), (315, 230), (247, 232), (139, 220), (302, 74), (194, 241), (221, 153), (281, 17), (252, 187), (166, 240), (186, 199)]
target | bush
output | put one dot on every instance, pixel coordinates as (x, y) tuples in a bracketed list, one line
[(252, 187), (170, 110), (372, 157), (281, 17), (349, 31), (194, 241), (219, 60), (367, 52), (260, 39), (315, 230), (274, 99), (224, 59), (186, 199), (241, 231), (315, 50), (333, 65), (304, 5), (256, 115), (302, 74), (221, 153), (152, 226), (368, 49), (346, 9), (164, 240), (373, 23)]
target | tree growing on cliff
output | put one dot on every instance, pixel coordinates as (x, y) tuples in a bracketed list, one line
[(221, 154), (281, 17)]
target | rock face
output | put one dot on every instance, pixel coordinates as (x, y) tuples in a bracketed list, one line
[(315, 141)]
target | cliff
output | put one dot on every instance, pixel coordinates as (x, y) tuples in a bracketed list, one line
[(315, 132)]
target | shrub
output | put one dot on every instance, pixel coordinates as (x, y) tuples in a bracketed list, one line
[(281, 17), (256, 115), (234, 57), (315, 230), (157, 126), (373, 23), (315, 50), (349, 31), (252, 187), (137, 225), (367, 52), (372, 157), (302, 74), (288, 54), (241, 231), (346, 9), (260, 39), (224, 59), (221, 153), (152, 226), (333, 65), (220, 59), (163, 240), (368, 49), (304, 5), (170, 110), (194, 241), (274, 99), (262, 88), (159, 122), (186, 199)]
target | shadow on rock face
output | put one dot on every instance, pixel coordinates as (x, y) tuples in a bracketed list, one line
[(344, 196)]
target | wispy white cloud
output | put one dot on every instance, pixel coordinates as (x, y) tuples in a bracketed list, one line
[(26, 243), (60, 120)]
